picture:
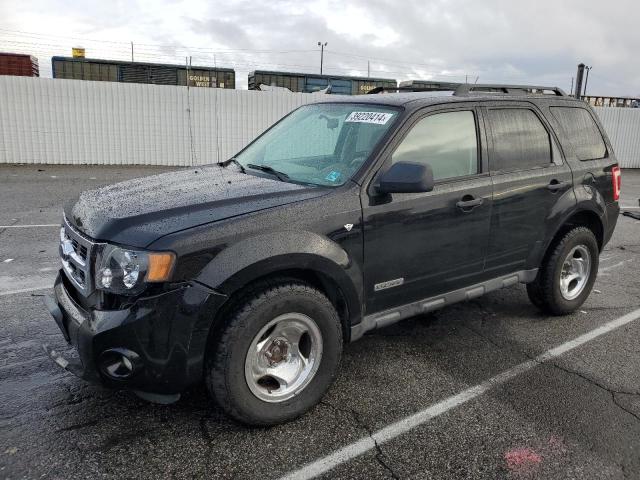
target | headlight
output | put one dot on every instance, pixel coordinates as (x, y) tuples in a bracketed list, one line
[(124, 271)]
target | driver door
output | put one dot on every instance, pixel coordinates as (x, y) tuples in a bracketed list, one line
[(417, 245)]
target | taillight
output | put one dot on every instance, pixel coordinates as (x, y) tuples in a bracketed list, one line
[(617, 182)]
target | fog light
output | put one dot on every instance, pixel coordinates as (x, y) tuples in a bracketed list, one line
[(119, 363)]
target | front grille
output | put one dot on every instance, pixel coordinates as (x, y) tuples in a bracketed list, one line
[(76, 254), (81, 250)]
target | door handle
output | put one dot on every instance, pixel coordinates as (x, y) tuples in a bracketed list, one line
[(468, 203), (555, 185)]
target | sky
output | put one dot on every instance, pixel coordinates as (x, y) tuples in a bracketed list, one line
[(488, 41)]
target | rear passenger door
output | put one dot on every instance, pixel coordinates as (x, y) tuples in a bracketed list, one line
[(529, 177)]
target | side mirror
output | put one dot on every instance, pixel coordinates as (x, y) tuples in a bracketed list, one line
[(406, 177)]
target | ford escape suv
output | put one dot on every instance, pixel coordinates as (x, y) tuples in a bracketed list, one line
[(347, 215)]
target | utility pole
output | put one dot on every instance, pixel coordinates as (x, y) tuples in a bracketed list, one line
[(571, 90), (588, 69), (132, 51), (321, 45), (368, 69), (579, 77)]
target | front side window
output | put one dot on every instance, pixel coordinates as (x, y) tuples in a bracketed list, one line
[(445, 141), (583, 133), (321, 144), (520, 141)]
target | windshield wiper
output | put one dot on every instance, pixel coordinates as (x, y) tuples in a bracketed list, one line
[(233, 160), (283, 177)]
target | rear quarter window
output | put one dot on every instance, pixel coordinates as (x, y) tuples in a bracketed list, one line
[(520, 140), (582, 131)]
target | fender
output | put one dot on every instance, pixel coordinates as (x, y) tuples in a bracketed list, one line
[(587, 199), (257, 256)]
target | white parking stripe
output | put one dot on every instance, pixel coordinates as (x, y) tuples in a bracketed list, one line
[(611, 267), (392, 431), (31, 226), (35, 288)]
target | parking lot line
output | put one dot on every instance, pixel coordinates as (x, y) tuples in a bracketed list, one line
[(26, 290), (31, 226), (615, 265), (400, 427)]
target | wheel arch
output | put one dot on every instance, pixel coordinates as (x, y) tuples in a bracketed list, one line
[(584, 217), (302, 256), (316, 278)]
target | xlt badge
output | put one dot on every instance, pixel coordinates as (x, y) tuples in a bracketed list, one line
[(388, 284)]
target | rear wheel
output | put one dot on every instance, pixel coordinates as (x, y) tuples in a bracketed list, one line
[(277, 354), (567, 275)]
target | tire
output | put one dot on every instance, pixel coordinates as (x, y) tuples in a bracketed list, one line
[(563, 284), (235, 355)]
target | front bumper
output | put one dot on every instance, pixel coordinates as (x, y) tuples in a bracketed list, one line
[(165, 335)]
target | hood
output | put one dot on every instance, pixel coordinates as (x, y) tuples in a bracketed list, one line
[(137, 212)]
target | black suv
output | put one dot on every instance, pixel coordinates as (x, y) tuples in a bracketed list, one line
[(347, 215)]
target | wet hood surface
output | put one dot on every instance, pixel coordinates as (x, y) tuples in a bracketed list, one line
[(137, 212)]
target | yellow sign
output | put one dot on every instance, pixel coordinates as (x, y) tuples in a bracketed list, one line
[(77, 52), (202, 81), (199, 80)]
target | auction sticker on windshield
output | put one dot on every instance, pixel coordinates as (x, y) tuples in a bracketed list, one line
[(369, 117)]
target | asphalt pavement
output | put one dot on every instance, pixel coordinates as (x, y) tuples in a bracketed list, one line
[(572, 415)]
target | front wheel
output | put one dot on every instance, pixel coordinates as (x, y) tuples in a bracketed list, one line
[(277, 354), (566, 277)]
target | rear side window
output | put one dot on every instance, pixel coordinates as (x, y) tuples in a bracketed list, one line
[(584, 135), (445, 141), (520, 141)]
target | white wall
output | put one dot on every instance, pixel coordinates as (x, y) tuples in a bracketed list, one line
[(623, 127), (80, 122)]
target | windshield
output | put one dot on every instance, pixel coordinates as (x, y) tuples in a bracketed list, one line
[(321, 144)]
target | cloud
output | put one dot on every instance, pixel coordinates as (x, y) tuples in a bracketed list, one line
[(497, 40)]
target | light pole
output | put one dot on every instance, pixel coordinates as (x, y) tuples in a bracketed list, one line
[(586, 80), (321, 45)]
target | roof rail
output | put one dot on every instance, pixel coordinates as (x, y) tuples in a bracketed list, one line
[(464, 89), (401, 88), (496, 88)]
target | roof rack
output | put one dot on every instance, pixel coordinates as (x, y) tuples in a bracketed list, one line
[(496, 88), (410, 88), (465, 89)]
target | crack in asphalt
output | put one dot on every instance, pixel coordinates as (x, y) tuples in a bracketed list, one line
[(116, 440), (380, 455), (78, 426), (610, 390), (204, 430), (591, 380)]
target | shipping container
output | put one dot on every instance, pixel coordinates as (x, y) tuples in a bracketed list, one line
[(138, 72), (308, 83), (606, 101), (19, 64), (428, 85)]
